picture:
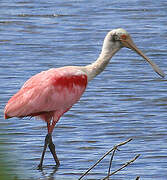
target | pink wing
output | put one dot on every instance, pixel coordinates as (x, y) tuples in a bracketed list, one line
[(47, 92)]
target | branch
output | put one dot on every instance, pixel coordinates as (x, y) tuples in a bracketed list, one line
[(123, 166), (111, 159), (115, 147)]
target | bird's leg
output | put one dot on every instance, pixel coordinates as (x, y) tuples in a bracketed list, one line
[(44, 150), (52, 149)]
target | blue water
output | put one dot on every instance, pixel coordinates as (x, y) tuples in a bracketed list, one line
[(128, 100)]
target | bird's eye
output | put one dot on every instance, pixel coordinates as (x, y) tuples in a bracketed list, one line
[(123, 37), (115, 37)]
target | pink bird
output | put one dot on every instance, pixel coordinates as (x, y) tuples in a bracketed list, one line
[(49, 94)]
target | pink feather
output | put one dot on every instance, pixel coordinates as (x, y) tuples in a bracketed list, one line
[(48, 95)]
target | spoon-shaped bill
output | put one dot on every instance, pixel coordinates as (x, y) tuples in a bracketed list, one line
[(129, 44)]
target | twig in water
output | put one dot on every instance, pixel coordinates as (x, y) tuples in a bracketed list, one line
[(116, 146), (123, 166), (112, 156)]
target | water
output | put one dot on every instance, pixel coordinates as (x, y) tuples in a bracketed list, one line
[(128, 100)]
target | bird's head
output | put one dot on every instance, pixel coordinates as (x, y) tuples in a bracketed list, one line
[(119, 38)]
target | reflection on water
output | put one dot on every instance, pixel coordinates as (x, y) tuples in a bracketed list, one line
[(128, 100)]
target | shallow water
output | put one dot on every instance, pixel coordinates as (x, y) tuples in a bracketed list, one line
[(128, 100)]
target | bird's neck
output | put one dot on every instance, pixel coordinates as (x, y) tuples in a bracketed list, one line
[(99, 65)]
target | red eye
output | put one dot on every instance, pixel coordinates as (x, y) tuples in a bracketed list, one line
[(123, 37)]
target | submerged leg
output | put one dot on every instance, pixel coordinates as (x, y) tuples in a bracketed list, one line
[(52, 150), (44, 150)]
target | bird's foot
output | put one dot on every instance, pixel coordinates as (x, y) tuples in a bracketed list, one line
[(39, 166), (47, 140), (49, 143), (53, 151)]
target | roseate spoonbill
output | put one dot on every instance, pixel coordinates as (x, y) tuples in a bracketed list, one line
[(49, 94)]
